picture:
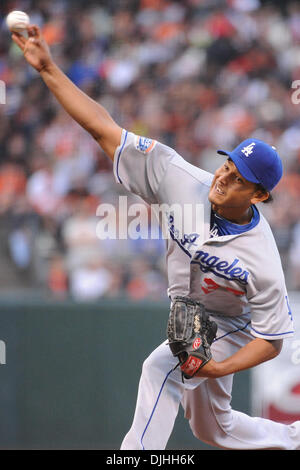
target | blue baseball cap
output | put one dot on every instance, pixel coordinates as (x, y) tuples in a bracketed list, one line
[(257, 162)]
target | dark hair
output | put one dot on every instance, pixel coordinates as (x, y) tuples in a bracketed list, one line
[(259, 187)]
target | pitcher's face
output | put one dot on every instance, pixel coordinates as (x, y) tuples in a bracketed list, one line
[(230, 191)]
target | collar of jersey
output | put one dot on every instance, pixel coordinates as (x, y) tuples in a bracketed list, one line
[(240, 228), (223, 238)]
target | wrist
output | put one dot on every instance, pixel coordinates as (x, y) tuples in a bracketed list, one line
[(220, 369), (47, 68), (212, 369), (216, 369)]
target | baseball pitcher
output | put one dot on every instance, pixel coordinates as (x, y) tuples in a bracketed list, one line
[(229, 305)]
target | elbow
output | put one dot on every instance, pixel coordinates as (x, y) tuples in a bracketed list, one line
[(93, 129), (276, 347)]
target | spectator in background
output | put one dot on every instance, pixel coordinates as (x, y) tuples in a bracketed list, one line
[(90, 281), (12, 184), (57, 278), (79, 236)]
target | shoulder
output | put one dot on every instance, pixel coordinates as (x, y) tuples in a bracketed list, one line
[(159, 151), (263, 234), (195, 172), (266, 236)]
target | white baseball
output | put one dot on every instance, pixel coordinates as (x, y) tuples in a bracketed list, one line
[(17, 21)]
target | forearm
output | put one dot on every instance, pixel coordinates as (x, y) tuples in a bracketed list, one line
[(252, 354), (88, 113)]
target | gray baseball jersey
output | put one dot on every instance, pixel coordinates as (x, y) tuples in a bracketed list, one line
[(231, 275)]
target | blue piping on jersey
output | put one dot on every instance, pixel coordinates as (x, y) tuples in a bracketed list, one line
[(270, 334), (166, 378), (118, 158)]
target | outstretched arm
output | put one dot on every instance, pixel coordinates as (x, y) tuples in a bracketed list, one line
[(87, 112)]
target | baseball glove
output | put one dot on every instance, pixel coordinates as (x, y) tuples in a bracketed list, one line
[(190, 333)]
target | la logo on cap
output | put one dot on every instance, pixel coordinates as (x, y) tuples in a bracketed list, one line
[(248, 150), (264, 166)]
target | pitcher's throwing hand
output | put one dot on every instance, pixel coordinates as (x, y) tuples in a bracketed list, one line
[(35, 48)]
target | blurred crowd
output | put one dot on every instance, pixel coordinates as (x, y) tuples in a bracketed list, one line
[(197, 75)]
